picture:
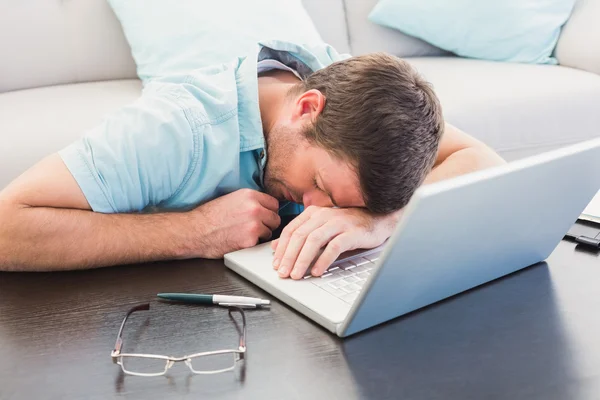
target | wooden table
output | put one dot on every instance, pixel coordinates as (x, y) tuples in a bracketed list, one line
[(532, 335)]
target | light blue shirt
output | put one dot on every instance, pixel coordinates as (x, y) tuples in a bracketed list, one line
[(188, 139)]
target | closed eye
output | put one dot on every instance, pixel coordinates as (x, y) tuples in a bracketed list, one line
[(316, 185)]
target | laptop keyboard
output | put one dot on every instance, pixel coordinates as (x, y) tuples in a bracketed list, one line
[(346, 278)]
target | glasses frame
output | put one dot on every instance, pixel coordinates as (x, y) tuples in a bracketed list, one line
[(238, 354)]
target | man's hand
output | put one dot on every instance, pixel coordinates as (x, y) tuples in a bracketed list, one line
[(46, 224), (235, 221), (339, 230), (336, 230)]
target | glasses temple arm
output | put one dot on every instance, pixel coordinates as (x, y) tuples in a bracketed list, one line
[(119, 341), (243, 332)]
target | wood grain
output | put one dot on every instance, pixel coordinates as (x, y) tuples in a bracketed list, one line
[(533, 334)]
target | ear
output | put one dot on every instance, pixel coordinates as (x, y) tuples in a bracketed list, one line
[(308, 106)]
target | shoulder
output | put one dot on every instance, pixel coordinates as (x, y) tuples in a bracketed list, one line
[(206, 96)]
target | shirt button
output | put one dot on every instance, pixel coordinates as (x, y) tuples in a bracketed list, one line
[(262, 154)]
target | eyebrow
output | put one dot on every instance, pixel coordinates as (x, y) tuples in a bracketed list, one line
[(328, 192)]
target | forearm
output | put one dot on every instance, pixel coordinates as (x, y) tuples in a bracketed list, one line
[(461, 162), (464, 161), (44, 239)]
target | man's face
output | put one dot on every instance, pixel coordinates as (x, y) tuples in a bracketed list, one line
[(306, 174)]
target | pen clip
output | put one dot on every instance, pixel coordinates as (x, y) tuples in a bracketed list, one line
[(241, 305)]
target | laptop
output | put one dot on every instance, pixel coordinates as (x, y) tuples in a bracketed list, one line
[(454, 235)]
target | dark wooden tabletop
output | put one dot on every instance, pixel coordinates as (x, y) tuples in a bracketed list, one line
[(532, 335)]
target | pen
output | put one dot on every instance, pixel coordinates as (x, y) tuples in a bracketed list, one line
[(217, 299)]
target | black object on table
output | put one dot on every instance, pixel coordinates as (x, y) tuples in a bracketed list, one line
[(585, 233), (534, 334)]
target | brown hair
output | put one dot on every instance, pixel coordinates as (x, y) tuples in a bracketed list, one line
[(384, 119)]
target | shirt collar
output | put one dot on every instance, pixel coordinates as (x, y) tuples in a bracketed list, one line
[(250, 123)]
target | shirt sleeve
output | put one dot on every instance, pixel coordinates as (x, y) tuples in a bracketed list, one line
[(137, 157)]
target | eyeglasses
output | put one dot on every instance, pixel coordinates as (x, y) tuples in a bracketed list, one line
[(209, 362)]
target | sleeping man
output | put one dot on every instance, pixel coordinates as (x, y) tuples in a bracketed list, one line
[(204, 163)]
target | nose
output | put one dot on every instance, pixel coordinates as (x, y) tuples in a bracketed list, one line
[(315, 198), (307, 199)]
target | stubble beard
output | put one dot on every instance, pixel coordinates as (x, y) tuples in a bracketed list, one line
[(279, 148)]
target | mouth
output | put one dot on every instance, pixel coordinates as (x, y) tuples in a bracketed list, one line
[(288, 196)]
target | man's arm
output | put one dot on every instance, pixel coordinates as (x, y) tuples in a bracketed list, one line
[(459, 154), (47, 224), (297, 247)]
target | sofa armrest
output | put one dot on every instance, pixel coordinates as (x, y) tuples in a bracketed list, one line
[(579, 42)]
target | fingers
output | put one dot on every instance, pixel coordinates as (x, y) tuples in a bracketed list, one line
[(274, 244), (269, 218), (265, 233), (311, 249), (286, 234), (336, 246), (251, 234), (296, 243), (266, 201), (323, 234), (262, 207)]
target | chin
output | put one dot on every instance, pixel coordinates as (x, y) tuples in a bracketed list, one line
[(274, 189)]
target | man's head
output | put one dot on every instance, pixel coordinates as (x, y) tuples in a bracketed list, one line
[(362, 132)]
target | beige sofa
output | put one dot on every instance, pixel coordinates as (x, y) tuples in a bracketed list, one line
[(65, 64)]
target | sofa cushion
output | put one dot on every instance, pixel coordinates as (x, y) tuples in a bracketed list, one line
[(367, 37), (173, 38), (478, 29), (579, 42), (54, 42), (518, 109), (37, 122), (330, 19)]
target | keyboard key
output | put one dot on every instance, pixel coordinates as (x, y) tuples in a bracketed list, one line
[(324, 279), (369, 263), (333, 291), (363, 275), (351, 279), (337, 284), (351, 287), (363, 268), (329, 271), (346, 265), (344, 273), (373, 257), (350, 297), (359, 261)]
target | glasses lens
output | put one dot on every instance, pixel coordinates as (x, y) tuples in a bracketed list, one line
[(144, 365), (214, 362)]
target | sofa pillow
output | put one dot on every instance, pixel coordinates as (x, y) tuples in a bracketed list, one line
[(508, 30), (176, 36)]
